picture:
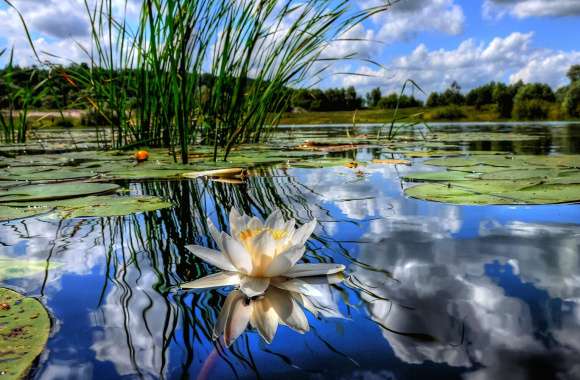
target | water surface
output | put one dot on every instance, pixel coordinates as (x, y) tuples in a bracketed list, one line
[(434, 291)]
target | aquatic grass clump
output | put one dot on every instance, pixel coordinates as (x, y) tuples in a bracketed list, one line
[(215, 72), (16, 100)]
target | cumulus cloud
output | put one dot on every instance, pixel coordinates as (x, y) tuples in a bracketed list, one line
[(59, 28), (471, 64), (531, 8)]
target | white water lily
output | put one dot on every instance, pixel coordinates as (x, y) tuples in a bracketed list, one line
[(257, 252)]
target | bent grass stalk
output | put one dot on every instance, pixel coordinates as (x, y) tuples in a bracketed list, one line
[(215, 72)]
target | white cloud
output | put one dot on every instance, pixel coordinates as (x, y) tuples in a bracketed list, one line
[(408, 18), (472, 64), (58, 28), (531, 8)]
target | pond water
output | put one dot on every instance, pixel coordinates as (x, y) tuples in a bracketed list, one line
[(433, 290)]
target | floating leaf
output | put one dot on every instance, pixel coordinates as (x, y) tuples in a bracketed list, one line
[(520, 174), (24, 330), (437, 176), (480, 192), (391, 162), (17, 268), (11, 213), (103, 206), (55, 191)]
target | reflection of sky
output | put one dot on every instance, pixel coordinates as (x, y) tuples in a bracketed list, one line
[(497, 287)]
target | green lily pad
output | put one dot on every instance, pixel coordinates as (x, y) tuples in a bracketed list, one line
[(437, 176), (100, 206), (17, 268), (480, 192), (55, 191), (520, 174), (44, 174), (453, 161), (11, 213), (104, 206), (325, 162), (24, 331)]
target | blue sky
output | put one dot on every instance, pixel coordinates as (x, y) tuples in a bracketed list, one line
[(431, 41)]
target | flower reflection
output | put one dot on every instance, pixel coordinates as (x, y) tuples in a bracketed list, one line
[(280, 304), (257, 253)]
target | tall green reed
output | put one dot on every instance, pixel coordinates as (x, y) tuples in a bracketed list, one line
[(17, 99), (215, 72)]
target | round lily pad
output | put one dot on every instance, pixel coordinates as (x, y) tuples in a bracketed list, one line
[(479, 192), (24, 330), (18, 268), (437, 176), (104, 206), (520, 174), (55, 191), (11, 213)]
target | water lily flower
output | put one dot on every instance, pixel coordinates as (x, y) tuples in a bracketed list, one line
[(257, 252)]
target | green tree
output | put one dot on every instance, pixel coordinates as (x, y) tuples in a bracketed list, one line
[(434, 100), (574, 73), (374, 97), (571, 103), (504, 100)]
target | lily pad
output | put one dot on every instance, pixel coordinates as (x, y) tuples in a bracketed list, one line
[(55, 191), (391, 162), (480, 192), (103, 206), (437, 176), (520, 174), (24, 331), (11, 213), (17, 268)]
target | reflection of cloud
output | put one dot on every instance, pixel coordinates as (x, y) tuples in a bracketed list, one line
[(444, 308), (133, 334), (76, 243)]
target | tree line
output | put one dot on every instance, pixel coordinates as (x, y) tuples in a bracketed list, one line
[(56, 89)]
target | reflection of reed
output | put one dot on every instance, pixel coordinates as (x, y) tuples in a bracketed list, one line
[(141, 316)]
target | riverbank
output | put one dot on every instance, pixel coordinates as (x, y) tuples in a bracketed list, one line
[(436, 114)]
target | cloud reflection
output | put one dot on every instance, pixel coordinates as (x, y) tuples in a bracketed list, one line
[(504, 302)]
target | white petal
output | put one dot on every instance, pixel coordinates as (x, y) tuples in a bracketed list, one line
[(300, 286), (238, 320), (283, 262), (224, 315), (275, 221), (264, 319), (254, 224), (215, 234), (303, 233), (212, 257), (237, 254), (254, 286), (237, 222), (215, 280), (289, 312), (263, 244), (306, 270)]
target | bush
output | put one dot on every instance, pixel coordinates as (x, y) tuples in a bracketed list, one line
[(533, 109), (451, 112), (94, 119), (64, 123), (571, 103)]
